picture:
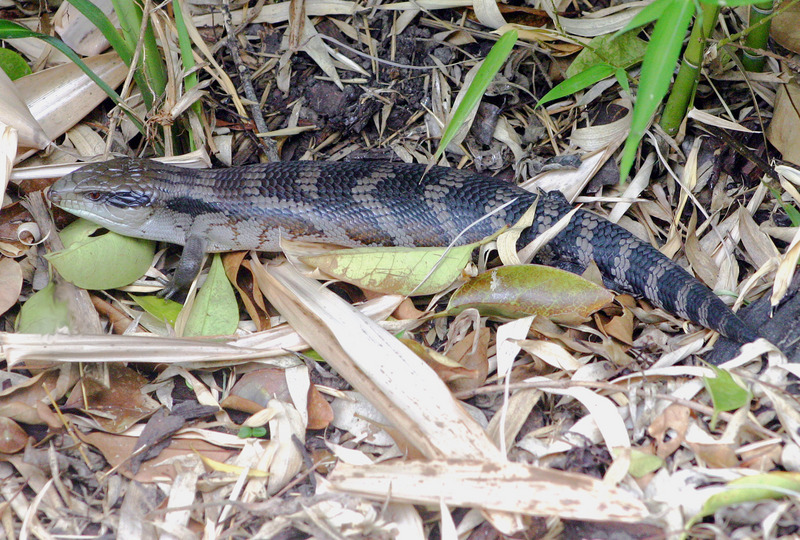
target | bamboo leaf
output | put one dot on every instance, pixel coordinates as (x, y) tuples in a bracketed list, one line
[(489, 68), (657, 68), (578, 82), (650, 13)]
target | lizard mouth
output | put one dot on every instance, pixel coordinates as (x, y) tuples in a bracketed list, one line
[(54, 196)]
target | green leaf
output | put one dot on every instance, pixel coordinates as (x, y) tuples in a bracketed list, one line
[(725, 393), (650, 13), (215, 311), (100, 261), (578, 82), (512, 292), (251, 432), (162, 309), (642, 464), (13, 64), (622, 79), (395, 270), (731, 3), (622, 52), (657, 68), (489, 68), (774, 485), (43, 313)]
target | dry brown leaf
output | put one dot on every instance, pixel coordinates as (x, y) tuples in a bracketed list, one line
[(12, 437), (473, 356), (10, 283), (115, 407), (669, 429), (784, 130), (117, 450)]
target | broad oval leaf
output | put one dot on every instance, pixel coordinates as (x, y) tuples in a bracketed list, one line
[(43, 313), (621, 52), (395, 270), (13, 64), (215, 311), (517, 291), (106, 261)]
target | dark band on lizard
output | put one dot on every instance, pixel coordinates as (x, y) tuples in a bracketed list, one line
[(365, 203)]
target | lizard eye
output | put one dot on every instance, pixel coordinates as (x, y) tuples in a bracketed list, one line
[(94, 195)]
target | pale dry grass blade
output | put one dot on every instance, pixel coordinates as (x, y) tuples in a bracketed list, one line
[(15, 113), (80, 33), (37, 348), (410, 395), (402, 387), (508, 487), (8, 151), (50, 94), (279, 13)]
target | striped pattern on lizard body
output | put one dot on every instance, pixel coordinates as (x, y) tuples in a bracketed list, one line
[(366, 203)]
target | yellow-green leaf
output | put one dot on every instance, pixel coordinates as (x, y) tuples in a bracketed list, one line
[(395, 270), (215, 311), (642, 464), (758, 487), (162, 309), (42, 313), (102, 261), (517, 291)]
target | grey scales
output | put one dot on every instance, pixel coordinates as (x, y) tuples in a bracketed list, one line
[(369, 203)]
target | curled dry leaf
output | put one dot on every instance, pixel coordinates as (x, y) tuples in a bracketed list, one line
[(518, 291), (12, 437)]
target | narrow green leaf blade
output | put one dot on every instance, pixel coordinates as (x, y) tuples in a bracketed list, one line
[(650, 13), (578, 82), (659, 64), (489, 68)]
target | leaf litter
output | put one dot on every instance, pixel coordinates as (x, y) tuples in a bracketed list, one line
[(603, 417)]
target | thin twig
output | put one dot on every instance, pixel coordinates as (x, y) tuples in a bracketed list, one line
[(268, 145)]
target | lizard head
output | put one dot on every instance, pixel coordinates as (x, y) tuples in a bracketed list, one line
[(111, 193)]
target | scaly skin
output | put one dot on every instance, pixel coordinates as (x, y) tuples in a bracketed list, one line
[(364, 203)]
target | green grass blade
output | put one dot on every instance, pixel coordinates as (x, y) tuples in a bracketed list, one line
[(489, 68), (657, 68), (187, 60), (578, 82), (731, 3), (130, 20), (650, 13)]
